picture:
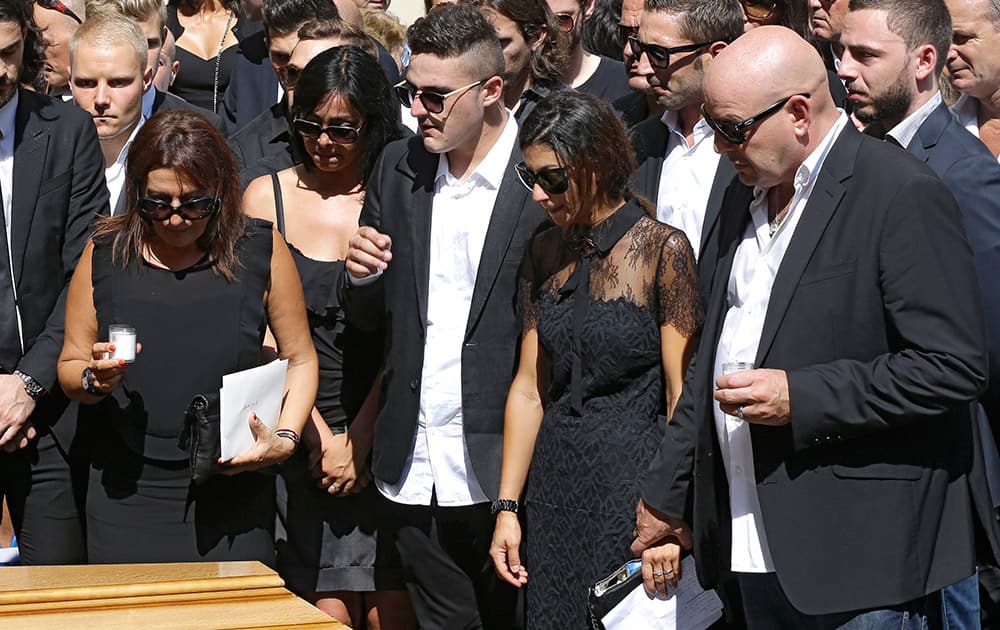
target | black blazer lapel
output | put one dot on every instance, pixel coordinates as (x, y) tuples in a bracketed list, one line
[(31, 141), (822, 204), (724, 175), (650, 143), (507, 211), (930, 132), (421, 167)]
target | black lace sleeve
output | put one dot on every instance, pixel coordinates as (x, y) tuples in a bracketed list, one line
[(528, 290), (677, 285)]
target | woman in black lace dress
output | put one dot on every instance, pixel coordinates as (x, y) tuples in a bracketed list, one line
[(609, 305)]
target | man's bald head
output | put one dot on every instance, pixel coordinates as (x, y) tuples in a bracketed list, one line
[(769, 66)]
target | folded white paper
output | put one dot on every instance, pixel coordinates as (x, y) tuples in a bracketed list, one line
[(688, 607), (257, 390)]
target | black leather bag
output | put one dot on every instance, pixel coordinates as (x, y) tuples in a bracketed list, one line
[(202, 438)]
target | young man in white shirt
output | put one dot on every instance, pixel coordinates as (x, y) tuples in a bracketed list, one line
[(445, 224)]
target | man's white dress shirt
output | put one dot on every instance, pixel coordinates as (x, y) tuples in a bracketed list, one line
[(751, 280), (114, 175), (905, 131), (460, 217), (686, 178)]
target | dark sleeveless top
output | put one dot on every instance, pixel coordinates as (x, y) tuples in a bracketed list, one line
[(342, 390), (196, 78), (194, 327)]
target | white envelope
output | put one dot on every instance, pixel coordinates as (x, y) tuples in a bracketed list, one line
[(688, 607), (258, 390)]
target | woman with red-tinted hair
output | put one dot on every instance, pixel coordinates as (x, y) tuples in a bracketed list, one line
[(200, 283)]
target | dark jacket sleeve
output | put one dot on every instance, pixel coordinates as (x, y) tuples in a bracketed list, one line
[(934, 310), (667, 484), (975, 182), (88, 199), (364, 305)]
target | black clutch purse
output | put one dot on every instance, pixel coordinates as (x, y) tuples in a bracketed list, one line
[(201, 437)]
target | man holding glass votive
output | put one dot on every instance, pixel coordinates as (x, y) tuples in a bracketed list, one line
[(826, 481)]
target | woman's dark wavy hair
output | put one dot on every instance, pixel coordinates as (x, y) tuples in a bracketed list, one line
[(600, 30), (549, 60), (186, 142), (351, 73), (589, 141), (33, 60)]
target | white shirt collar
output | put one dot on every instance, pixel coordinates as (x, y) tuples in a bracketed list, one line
[(7, 114), (493, 166), (966, 111), (907, 129), (700, 132), (128, 143), (805, 175)]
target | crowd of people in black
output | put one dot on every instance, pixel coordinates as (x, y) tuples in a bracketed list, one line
[(560, 283)]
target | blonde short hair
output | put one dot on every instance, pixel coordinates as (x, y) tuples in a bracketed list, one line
[(105, 29), (140, 10)]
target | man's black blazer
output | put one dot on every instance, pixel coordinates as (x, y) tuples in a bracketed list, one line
[(876, 318), (165, 101), (972, 174), (398, 203), (59, 191), (649, 139), (267, 134)]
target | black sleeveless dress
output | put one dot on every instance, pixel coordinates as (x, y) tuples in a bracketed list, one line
[(328, 543), (195, 327)]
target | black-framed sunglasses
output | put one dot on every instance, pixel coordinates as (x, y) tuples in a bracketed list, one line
[(433, 101), (192, 210), (758, 10), (736, 132), (340, 134), (659, 56), (552, 180), (625, 32), (59, 7)]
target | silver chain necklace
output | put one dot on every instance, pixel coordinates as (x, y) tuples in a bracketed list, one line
[(218, 62)]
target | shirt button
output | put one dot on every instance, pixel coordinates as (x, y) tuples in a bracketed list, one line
[(739, 470)]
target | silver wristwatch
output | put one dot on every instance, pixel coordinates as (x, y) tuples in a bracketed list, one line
[(32, 387)]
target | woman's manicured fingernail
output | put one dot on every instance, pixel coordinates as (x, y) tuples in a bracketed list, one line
[(111, 347)]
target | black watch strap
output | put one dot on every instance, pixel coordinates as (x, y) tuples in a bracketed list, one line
[(88, 383), (503, 505)]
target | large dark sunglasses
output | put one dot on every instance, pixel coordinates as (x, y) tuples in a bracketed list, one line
[(659, 56), (757, 10), (736, 132), (193, 210), (59, 7), (340, 134), (553, 179), (433, 101)]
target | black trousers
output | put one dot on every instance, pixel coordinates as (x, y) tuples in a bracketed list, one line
[(444, 552), (45, 487)]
